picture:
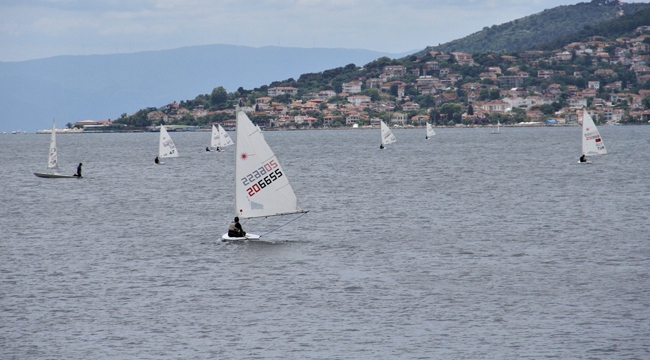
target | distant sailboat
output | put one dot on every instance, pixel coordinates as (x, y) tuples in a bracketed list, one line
[(166, 148), (430, 131), (387, 136), (53, 162), (220, 138), (214, 140), (498, 128), (261, 185), (592, 143)]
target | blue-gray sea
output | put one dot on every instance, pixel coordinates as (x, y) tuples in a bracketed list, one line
[(465, 246)]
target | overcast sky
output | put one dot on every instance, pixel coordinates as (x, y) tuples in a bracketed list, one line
[(32, 29)]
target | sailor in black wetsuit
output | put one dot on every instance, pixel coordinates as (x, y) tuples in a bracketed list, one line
[(235, 229), (78, 174)]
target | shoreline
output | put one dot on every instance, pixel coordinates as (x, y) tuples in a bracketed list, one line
[(347, 128)]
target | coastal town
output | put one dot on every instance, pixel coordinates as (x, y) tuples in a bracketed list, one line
[(608, 78)]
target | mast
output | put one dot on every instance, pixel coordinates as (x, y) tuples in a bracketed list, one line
[(236, 152)]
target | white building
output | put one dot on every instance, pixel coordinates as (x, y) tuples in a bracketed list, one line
[(352, 87), (281, 90)]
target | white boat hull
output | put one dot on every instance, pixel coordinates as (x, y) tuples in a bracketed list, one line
[(225, 237), (56, 176)]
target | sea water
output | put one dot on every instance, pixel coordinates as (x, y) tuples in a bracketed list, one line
[(466, 245)]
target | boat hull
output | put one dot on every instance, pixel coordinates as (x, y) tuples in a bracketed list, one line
[(56, 176), (225, 237)]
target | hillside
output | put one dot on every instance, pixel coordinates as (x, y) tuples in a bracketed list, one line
[(540, 28), (74, 88), (608, 29), (608, 75)]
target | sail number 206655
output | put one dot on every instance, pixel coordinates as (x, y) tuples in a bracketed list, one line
[(261, 177)]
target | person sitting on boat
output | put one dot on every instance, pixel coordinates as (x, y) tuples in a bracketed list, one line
[(583, 158), (235, 229), (381, 146), (207, 148), (157, 161), (78, 174), (218, 149)]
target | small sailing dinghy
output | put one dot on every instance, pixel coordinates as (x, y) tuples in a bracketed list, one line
[(387, 136), (214, 139), (220, 138), (53, 162), (166, 148), (498, 130), (261, 185), (592, 143), (430, 131)]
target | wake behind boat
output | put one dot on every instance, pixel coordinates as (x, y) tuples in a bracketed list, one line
[(261, 185), (53, 162)]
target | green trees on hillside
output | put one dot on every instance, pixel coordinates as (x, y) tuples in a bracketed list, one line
[(545, 27), (219, 96)]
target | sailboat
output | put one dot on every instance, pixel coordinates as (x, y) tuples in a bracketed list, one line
[(387, 136), (261, 185), (498, 128), (53, 162), (430, 131), (166, 148), (220, 138), (592, 143)]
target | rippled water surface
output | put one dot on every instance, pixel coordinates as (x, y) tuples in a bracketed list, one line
[(468, 245)]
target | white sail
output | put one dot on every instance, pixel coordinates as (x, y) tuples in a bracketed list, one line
[(430, 131), (224, 138), (214, 142), (166, 148), (387, 136), (261, 185), (53, 162), (592, 143)]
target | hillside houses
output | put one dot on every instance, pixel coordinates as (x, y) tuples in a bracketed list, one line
[(608, 77)]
